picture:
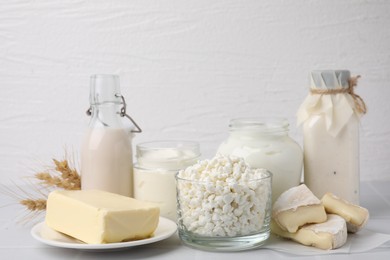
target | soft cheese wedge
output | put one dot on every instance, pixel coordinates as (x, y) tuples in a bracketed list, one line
[(328, 235), (97, 217), (355, 216), (296, 207)]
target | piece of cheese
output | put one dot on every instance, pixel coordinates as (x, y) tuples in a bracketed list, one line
[(355, 216), (97, 217), (328, 235), (296, 207)]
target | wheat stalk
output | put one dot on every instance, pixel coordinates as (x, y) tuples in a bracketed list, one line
[(60, 175), (33, 199), (71, 178), (65, 177), (34, 204)]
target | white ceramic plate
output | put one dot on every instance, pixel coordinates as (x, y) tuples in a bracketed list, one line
[(46, 235)]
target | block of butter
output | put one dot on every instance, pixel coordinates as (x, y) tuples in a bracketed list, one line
[(97, 217), (296, 207), (355, 216), (331, 234)]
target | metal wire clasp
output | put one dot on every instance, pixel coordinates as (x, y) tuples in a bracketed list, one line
[(123, 114)]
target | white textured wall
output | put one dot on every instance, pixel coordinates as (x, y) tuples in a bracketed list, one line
[(186, 68)]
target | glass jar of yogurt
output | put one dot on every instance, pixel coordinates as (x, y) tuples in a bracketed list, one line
[(155, 169), (265, 143)]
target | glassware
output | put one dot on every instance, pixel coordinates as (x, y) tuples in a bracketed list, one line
[(330, 117), (106, 152), (265, 143), (155, 169), (221, 224)]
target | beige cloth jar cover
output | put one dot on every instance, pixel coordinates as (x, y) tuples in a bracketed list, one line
[(332, 91)]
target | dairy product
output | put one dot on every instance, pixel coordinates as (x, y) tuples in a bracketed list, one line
[(96, 217), (332, 162), (355, 215), (266, 144), (158, 187), (106, 161), (328, 235), (106, 155), (297, 207), (330, 117), (154, 172), (223, 197)]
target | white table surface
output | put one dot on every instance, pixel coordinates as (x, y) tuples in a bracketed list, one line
[(17, 243)]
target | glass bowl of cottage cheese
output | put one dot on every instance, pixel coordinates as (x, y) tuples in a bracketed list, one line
[(223, 204)]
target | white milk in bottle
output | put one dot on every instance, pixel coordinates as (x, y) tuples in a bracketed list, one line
[(106, 152), (330, 117)]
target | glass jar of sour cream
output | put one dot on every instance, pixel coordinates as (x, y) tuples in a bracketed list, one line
[(155, 169), (265, 143)]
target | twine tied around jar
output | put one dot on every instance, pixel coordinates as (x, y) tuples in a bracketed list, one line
[(352, 83)]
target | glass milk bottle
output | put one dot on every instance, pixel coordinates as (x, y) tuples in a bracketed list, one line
[(265, 143), (106, 152), (330, 117), (154, 172)]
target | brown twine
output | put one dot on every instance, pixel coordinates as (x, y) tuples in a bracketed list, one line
[(352, 83)]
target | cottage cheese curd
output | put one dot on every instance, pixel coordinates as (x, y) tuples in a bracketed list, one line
[(223, 197)]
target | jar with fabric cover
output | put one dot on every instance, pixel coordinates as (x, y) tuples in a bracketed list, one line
[(330, 118)]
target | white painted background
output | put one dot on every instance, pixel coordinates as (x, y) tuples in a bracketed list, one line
[(186, 68)]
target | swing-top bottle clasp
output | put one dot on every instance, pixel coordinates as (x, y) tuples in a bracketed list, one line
[(122, 113)]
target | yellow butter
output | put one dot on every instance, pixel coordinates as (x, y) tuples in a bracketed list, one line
[(97, 217)]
